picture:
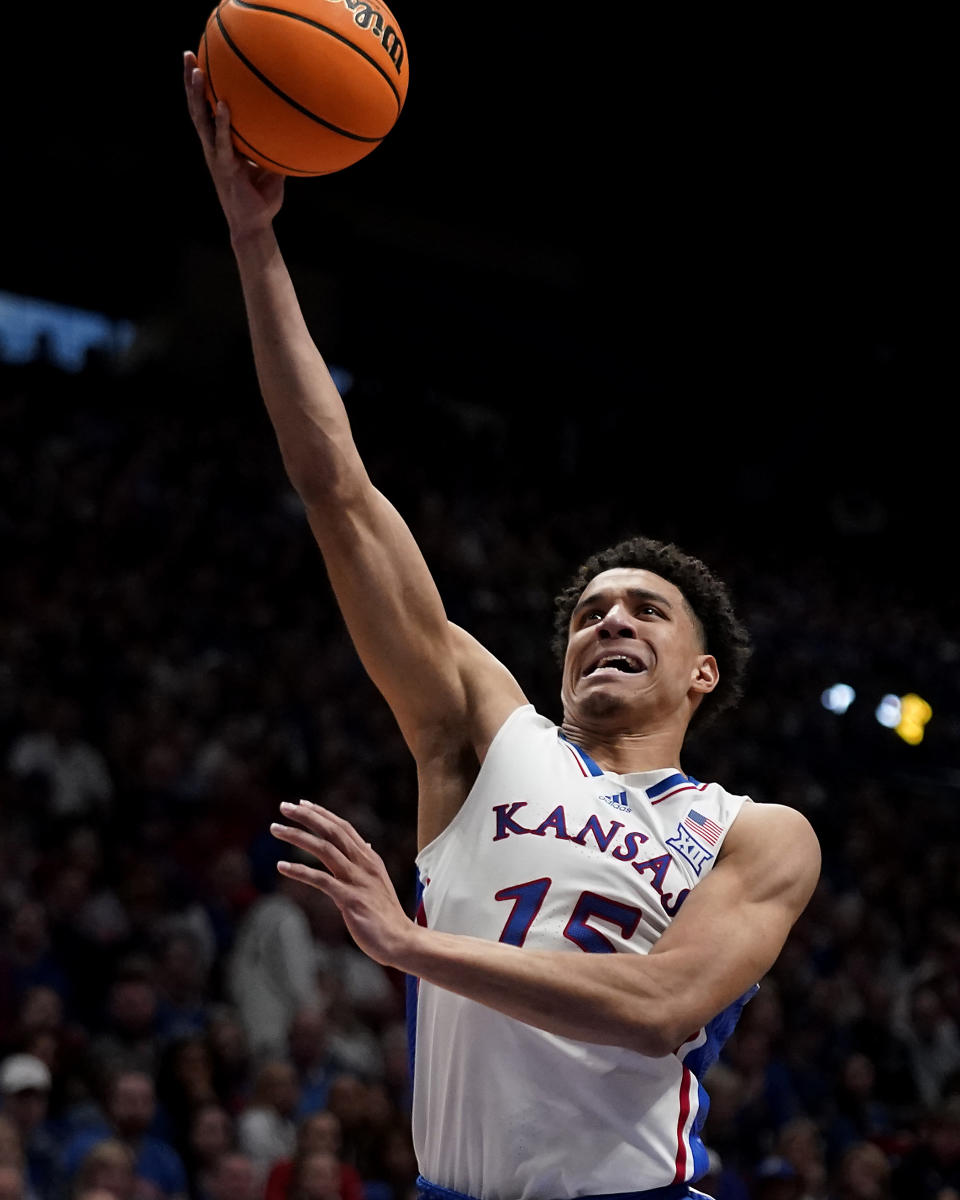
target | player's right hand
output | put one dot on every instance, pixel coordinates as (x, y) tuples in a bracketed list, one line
[(249, 195)]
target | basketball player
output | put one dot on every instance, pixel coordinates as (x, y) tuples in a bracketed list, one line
[(540, 1073)]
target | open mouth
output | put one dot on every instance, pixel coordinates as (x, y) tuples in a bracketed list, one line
[(617, 662)]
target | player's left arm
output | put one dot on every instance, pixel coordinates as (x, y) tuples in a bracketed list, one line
[(726, 936)]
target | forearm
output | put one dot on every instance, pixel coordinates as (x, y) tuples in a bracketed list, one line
[(612, 1000), (303, 403)]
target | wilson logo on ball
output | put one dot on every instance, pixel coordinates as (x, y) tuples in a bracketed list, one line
[(367, 16)]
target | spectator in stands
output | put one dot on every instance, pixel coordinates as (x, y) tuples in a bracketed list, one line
[(25, 1090), (775, 1179), (358, 984), (397, 1166), (319, 1133), (315, 1063), (109, 1168), (235, 1176), (720, 1182), (316, 1176), (41, 1011), (767, 1100), (395, 1051), (863, 1173), (857, 1114), (72, 774), (210, 1136), (185, 1081), (181, 986), (366, 1115), (273, 968), (131, 1039), (875, 1036), (266, 1130), (933, 1165), (130, 1111), (232, 1061), (11, 1147), (800, 1144), (933, 1043), (12, 1183), (12, 1161), (226, 895), (27, 955)]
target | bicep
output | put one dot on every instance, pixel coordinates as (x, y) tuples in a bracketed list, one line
[(425, 668), (733, 925)]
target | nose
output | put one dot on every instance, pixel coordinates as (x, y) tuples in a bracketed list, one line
[(616, 624)]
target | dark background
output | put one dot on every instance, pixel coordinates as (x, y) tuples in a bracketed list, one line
[(746, 219)]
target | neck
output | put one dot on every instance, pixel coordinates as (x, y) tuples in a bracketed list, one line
[(624, 753)]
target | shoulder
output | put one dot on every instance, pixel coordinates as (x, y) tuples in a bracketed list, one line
[(763, 822), (775, 848)]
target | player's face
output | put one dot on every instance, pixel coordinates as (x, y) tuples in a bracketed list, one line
[(635, 649)]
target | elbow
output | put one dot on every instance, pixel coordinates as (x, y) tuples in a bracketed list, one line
[(325, 471), (653, 1041), (652, 1035), (314, 495), (322, 487), (315, 486)]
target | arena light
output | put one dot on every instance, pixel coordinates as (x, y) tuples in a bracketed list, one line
[(33, 330), (889, 711), (342, 378), (915, 714), (837, 699)]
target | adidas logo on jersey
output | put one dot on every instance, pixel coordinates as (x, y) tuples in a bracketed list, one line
[(619, 801)]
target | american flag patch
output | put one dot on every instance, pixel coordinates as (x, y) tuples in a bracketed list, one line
[(707, 829)]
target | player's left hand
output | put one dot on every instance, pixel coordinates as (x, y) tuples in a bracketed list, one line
[(356, 879)]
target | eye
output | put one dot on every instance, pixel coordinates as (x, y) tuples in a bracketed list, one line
[(651, 608)]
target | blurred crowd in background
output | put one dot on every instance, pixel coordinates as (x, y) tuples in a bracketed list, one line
[(177, 1023)]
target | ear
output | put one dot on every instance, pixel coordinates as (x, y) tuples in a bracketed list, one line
[(706, 675)]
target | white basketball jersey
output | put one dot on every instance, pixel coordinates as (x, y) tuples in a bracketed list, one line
[(552, 853)]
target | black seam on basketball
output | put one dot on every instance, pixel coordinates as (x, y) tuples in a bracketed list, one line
[(356, 137), (239, 136), (213, 90), (283, 12), (267, 158)]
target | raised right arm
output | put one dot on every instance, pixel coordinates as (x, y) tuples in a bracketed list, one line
[(447, 693)]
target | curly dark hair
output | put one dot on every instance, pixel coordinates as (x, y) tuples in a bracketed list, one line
[(706, 596)]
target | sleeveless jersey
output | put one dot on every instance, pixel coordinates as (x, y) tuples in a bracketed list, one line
[(552, 853)]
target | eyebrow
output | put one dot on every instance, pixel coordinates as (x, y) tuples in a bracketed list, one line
[(596, 598)]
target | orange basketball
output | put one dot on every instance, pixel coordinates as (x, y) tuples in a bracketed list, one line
[(312, 85)]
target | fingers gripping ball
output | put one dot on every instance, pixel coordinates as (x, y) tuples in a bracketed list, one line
[(312, 85)]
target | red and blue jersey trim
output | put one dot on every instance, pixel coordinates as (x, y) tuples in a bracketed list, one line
[(581, 757), (656, 793), (412, 981), (697, 1055), (672, 786)]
